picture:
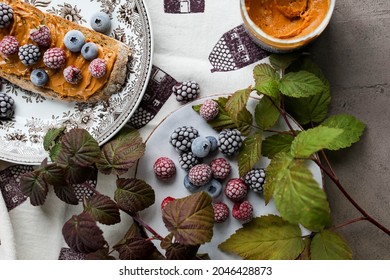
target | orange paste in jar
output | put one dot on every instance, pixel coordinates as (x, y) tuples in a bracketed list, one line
[(287, 19)]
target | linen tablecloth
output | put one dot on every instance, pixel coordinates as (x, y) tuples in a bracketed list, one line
[(200, 40)]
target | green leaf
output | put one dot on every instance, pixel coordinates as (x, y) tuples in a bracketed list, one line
[(305, 255), (190, 219), (313, 140), (78, 148), (266, 80), (314, 108), (237, 102), (82, 234), (283, 61), (301, 84), (102, 209), (224, 120), (52, 137), (276, 143), (250, 153), (352, 130), (34, 186), (133, 195), (280, 162), (310, 109), (118, 155), (298, 197), (265, 238), (266, 114), (328, 245)]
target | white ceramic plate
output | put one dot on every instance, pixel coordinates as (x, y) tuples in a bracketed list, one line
[(158, 145), (21, 139)]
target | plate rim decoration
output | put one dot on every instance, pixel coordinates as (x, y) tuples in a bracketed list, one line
[(21, 139)]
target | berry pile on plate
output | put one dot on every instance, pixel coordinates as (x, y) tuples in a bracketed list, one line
[(207, 170)]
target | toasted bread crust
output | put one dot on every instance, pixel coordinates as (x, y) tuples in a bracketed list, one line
[(116, 78)]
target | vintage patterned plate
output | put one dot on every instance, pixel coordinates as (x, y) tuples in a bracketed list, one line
[(157, 145), (21, 139)]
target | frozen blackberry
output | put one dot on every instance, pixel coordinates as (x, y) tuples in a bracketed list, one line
[(255, 179), (6, 15), (188, 160), (186, 91), (6, 106), (229, 141), (29, 54), (182, 138)]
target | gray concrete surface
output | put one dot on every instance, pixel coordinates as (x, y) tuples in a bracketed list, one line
[(354, 53)]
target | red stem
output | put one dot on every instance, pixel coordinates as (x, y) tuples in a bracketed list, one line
[(350, 222), (350, 199)]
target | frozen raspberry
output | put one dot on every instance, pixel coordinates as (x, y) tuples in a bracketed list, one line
[(221, 168), (186, 91), (236, 189), (164, 168), (6, 15), (9, 45), (243, 211), (209, 110), (221, 212), (97, 68), (166, 201), (72, 75), (200, 174), (54, 58), (41, 36)]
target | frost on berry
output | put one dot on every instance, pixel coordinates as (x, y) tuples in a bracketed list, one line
[(221, 212), (209, 110), (243, 211), (9, 45), (97, 68), (236, 189), (221, 168), (200, 174), (164, 168)]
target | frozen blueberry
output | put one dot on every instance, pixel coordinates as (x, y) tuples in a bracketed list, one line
[(74, 40), (39, 77), (200, 147), (213, 142), (89, 51), (213, 188), (101, 22), (189, 186)]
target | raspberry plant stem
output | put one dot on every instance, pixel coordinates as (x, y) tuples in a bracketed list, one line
[(350, 222)]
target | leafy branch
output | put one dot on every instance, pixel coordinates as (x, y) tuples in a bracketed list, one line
[(291, 86), (75, 155)]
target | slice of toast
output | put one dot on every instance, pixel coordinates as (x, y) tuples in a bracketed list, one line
[(116, 55)]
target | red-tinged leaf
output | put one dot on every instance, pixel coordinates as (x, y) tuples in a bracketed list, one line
[(102, 254), (102, 209), (82, 234), (78, 175), (177, 251), (118, 155), (190, 219), (66, 193), (135, 248), (79, 148), (237, 102), (54, 174), (133, 195), (34, 186)]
